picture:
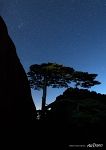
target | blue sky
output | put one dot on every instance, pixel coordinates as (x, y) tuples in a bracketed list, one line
[(68, 32)]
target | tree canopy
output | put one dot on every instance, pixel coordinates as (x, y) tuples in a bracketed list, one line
[(84, 79), (58, 76), (55, 75)]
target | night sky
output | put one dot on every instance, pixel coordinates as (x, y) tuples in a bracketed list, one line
[(68, 32)]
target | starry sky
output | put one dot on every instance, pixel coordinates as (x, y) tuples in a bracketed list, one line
[(68, 32)]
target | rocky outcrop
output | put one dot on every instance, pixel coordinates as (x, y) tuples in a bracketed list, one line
[(16, 104)]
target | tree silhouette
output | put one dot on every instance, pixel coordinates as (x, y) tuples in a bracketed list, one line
[(84, 79), (50, 74), (57, 76)]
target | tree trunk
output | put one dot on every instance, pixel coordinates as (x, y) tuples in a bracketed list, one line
[(44, 98)]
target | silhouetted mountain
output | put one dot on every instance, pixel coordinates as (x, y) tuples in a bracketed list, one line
[(81, 115), (16, 104), (79, 104)]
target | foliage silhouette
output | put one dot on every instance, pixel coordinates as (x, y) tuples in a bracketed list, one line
[(85, 80), (57, 76), (51, 74)]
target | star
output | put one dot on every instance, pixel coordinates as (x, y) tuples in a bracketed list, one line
[(20, 26)]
